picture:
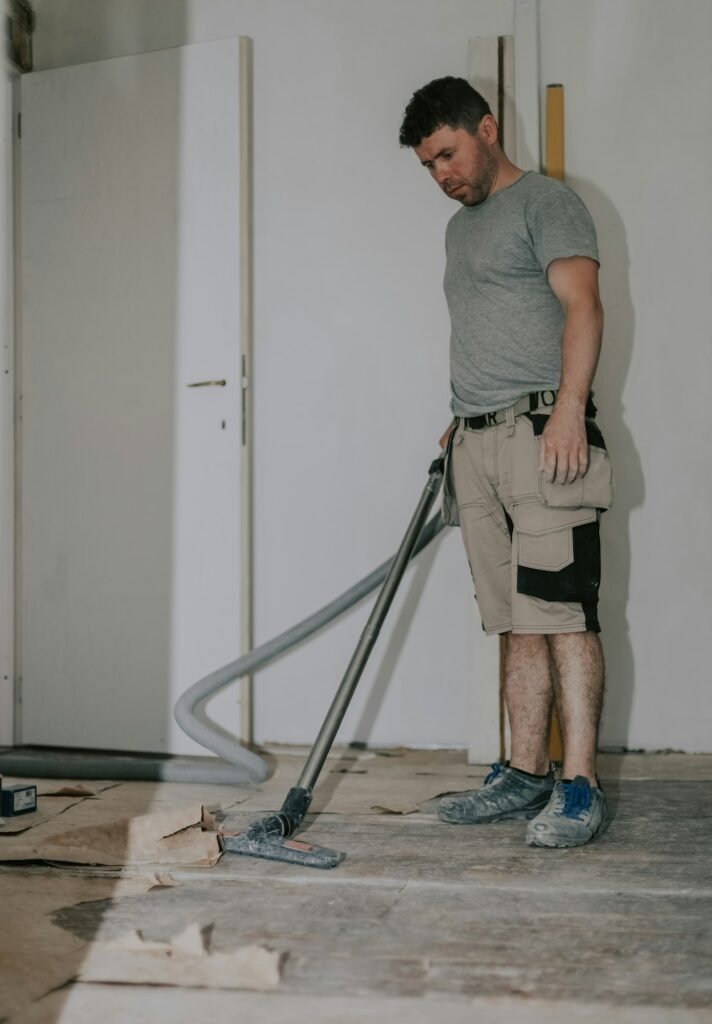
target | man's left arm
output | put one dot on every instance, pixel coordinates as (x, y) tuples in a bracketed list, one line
[(563, 452)]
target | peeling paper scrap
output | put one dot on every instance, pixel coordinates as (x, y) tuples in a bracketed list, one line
[(406, 809), (183, 962), (73, 789), (209, 821), (163, 880), (118, 888)]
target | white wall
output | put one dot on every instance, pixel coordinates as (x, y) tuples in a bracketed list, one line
[(638, 83), (351, 334)]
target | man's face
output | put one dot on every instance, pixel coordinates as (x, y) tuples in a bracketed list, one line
[(463, 165)]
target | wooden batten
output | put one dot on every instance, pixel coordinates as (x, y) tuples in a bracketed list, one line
[(555, 131), (555, 169), (491, 72)]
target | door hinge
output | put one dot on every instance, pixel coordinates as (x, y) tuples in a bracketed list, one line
[(244, 384), (19, 125)]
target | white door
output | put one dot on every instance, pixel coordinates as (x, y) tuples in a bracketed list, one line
[(130, 512)]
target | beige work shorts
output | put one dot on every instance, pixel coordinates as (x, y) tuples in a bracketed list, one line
[(533, 546)]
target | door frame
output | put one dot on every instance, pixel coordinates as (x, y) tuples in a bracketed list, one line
[(8, 407), (247, 717)]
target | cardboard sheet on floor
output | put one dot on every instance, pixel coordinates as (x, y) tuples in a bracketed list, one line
[(54, 796), (164, 837), (123, 827), (129, 823), (183, 962)]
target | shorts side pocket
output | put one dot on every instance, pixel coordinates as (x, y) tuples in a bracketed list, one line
[(594, 489), (544, 534)]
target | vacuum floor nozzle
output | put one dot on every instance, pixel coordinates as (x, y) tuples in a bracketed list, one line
[(293, 851)]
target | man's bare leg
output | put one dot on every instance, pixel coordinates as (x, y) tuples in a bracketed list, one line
[(578, 686), (507, 793), (529, 694)]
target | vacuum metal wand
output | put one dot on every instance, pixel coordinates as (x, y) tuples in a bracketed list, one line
[(340, 703)]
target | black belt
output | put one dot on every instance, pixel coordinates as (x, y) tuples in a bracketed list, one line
[(530, 403)]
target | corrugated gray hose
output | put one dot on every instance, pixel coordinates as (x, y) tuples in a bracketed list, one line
[(246, 766)]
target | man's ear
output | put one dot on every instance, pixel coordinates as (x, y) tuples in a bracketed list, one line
[(487, 130)]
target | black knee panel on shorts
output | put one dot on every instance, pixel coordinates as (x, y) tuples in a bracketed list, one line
[(578, 581)]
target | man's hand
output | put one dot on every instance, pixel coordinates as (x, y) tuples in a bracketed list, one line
[(446, 437), (563, 448)]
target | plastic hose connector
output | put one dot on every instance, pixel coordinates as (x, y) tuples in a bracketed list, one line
[(286, 821)]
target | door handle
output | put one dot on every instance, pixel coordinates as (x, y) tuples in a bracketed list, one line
[(208, 384)]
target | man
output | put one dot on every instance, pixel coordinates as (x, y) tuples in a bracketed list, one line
[(525, 458)]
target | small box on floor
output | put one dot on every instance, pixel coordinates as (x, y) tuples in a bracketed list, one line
[(18, 800)]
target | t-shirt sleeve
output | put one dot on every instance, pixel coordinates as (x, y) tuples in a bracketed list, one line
[(559, 226)]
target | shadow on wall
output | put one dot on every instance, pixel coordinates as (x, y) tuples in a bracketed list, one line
[(397, 640), (610, 383)]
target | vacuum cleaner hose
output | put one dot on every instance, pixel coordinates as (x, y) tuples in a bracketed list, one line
[(249, 767)]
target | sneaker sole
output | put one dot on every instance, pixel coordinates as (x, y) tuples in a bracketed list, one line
[(560, 844), (524, 815)]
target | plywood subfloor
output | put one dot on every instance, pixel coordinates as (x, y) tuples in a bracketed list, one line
[(421, 919)]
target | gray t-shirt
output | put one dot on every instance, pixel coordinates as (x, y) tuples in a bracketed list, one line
[(506, 321)]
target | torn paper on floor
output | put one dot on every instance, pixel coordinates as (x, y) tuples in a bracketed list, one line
[(66, 787), (36, 953), (397, 809), (183, 962), (100, 834)]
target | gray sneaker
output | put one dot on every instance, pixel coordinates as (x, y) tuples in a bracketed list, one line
[(575, 814), (505, 793)]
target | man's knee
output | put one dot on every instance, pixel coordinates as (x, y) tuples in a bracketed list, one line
[(579, 638), (577, 652), (531, 644)]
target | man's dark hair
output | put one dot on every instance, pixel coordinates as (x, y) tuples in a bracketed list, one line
[(450, 102)]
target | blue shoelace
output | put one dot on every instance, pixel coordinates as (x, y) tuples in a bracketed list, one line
[(496, 771), (578, 799)]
